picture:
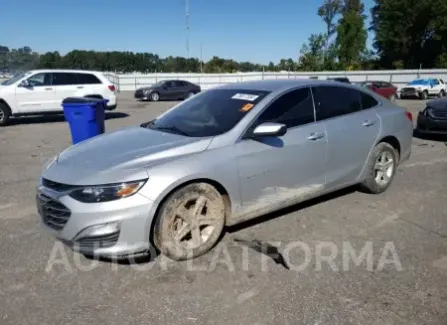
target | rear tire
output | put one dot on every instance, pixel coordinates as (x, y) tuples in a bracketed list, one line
[(393, 98), (381, 168), (5, 114), (190, 222), (424, 95), (442, 93)]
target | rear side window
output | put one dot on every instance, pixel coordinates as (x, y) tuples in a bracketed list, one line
[(64, 79), (88, 79), (335, 101), (292, 109), (368, 101)]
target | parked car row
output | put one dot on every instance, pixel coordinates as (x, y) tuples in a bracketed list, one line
[(39, 92)]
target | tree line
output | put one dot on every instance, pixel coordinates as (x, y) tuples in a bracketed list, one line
[(408, 34)]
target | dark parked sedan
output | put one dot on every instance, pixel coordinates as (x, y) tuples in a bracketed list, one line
[(168, 90), (433, 119)]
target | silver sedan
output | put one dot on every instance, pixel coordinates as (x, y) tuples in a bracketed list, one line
[(226, 155)]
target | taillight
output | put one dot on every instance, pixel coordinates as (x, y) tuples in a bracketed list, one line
[(112, 87), (409, 115)]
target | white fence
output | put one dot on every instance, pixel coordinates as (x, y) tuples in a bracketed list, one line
[(130, 82)]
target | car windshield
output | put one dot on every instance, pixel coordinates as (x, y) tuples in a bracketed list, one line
[(210, 113), (13, 79)]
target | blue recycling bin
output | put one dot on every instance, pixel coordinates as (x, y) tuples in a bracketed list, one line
[(85, 116)]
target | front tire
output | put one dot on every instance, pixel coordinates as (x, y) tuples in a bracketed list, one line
[(424, 95), (5, 114), (190, 222), (441, 93), (155, 97), (381, 168), (393, 98)]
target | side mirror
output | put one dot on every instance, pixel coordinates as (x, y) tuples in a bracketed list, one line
[(269, 129), (24, 84)]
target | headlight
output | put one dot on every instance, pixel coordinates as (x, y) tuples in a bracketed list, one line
[(106, 193), (147, 91)]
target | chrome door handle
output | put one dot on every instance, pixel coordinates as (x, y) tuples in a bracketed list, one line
[(368, 123), (80, 87), (315, 136), (48, 88)]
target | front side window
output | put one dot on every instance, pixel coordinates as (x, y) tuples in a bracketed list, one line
[(333, 101), (40, 79), (210, 113), (292, 109)]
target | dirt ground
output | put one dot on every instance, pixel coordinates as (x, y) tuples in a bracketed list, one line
[(405, 229)]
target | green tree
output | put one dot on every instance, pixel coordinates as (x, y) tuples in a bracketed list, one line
[(328, 11), (311, 58), (410, 30), (351, 34)]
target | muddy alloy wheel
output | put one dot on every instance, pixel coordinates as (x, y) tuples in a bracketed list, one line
[(190, 222)]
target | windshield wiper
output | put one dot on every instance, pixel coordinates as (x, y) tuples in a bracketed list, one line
[(170, 129)]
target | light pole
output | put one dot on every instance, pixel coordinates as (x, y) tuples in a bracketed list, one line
[(187, 25)]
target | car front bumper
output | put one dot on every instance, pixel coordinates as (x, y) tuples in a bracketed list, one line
[(428, 125), (111, 229)]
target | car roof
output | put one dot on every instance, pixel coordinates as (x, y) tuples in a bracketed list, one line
[(280, 85), (64, 70), (439, 103)]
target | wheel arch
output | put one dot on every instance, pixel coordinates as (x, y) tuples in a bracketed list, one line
[(4, 102), (94, 96), (392, 141)]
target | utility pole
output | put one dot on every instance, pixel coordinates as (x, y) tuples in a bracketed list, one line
[(187, 25), (201, 58)]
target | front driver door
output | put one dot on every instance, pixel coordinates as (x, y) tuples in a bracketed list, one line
[(277, 171), (170, 90), (38, 97)]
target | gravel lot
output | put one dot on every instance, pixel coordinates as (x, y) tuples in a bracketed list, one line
[(223, 289)]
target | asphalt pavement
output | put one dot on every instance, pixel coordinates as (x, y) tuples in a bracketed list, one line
[(347, 258)]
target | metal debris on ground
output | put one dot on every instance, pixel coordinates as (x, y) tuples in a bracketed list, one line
[(266, 249)]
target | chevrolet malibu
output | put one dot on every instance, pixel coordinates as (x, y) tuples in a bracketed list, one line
[(226, 155)]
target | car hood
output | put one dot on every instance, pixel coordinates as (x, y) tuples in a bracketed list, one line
[(120, 156)]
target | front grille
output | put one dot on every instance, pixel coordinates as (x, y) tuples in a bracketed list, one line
[(58, 187), (98, 241), (54, 214), (408, 89), (139, 94)]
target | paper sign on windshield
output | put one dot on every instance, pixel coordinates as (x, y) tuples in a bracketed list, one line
[(247, 97)]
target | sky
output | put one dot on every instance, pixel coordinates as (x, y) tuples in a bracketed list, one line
[(245, 30)]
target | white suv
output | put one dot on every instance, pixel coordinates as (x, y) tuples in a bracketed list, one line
[(42, 91)]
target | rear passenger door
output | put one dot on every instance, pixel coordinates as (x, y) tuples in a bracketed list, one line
[(90, 84), (65, 85), (352, 127)]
